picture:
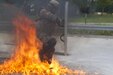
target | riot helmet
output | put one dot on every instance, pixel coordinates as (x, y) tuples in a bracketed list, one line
[(53, 6)]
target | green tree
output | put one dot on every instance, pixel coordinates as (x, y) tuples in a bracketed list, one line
[(85, 5), (104, 5)]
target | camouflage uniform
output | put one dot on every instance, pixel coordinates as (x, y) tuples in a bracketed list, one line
[(46, 29)]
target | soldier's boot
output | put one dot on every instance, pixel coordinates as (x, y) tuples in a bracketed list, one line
[(48, 50)]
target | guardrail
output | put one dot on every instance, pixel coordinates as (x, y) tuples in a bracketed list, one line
[(75, 26), (91, 27)]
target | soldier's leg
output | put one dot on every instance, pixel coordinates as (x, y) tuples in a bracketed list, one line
[(48, 50)]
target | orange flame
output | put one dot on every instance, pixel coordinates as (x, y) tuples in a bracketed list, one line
[(26, 59)]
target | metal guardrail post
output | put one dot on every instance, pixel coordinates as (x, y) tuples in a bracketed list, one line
[(65, 27)]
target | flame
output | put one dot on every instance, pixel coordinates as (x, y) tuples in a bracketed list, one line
[(25, 59)]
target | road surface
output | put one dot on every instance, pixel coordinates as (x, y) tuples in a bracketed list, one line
[(91, 54)]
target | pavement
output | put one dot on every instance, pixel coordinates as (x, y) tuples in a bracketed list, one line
[(6, 44), (92, 54)]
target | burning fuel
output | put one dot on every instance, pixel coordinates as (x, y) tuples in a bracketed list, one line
[(25, 59)]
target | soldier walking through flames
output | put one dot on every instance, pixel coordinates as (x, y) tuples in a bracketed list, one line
[(46, 29)]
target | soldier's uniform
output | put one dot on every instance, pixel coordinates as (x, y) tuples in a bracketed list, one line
[(46, 28)]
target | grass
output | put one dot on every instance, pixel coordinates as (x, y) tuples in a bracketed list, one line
[(107, 18)]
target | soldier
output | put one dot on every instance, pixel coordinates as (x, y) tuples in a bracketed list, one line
[(46, 28)]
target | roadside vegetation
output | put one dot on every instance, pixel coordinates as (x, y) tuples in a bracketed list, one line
[(93, 12), (94, 18)]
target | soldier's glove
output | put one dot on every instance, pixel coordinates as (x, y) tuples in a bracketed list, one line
[(52, 42), (36, 20), (60, 22)]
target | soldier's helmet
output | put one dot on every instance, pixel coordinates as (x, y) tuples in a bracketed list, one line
[(53, 6), (54, 3)]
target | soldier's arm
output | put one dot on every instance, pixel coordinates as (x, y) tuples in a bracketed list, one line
[(45, 14)]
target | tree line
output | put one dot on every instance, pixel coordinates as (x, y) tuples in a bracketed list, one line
[(90, 6), (85, 6)]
